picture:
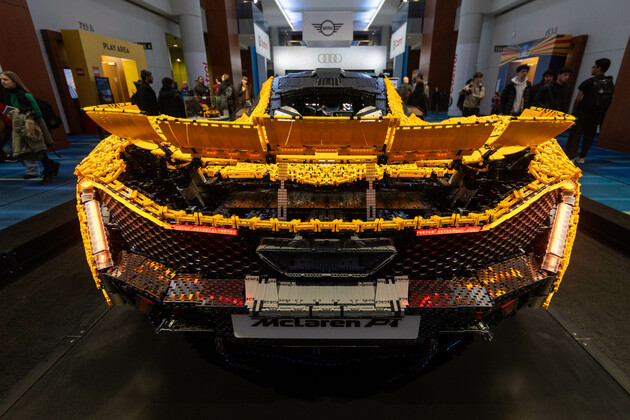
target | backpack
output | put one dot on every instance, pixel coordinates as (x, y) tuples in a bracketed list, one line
[(51, 119), (603, 91), (460, 101), (229, 92)]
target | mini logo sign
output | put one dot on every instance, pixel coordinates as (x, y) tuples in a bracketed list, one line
[(329, 58), (327, 27)]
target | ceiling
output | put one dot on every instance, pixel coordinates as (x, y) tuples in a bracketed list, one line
[(363, 11)]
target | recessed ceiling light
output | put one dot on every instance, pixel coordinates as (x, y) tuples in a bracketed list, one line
[(175, 45)]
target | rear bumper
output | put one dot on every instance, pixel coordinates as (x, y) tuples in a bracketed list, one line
[(185, 302)]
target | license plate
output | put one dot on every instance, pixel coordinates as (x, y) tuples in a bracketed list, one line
[(316, 328)]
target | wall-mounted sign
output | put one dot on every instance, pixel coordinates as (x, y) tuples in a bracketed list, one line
[(329, 58), (70, 81), (318, 27), (551, 31), (113, 47), (146, 45), (80, 72), (398, 42), (524, 51), (96, 71), (361, 58), (86, 26), (104, 90), (262, 42)]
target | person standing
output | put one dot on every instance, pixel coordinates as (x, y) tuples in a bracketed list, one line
[(496, 103), (30, 136), (145, 97), (592, 101), (427, 92), (548, 77), (170, 101), (404, 89), (435, 100), (474, 93), (5, 132), (185, 90), (215, 86), (556, 95), (417, 99), (517, 94), (245, 93), (226, 93), (201, 89)]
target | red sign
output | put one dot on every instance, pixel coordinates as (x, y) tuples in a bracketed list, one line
[(448, 230), (207, 76), (80, 72), (96, 71), (205, 229)]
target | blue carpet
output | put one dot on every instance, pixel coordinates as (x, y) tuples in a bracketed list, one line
[(21, 199)]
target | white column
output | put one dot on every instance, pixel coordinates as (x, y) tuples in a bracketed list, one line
[(191, 29), (468, 36)]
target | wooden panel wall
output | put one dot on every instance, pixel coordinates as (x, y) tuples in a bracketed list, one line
[(21, 53), (614, 134), (223, 44), (439, 40)]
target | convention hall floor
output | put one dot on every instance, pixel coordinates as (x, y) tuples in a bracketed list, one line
[(606, 179)]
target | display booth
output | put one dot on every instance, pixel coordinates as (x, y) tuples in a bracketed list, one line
[(540, 55), (95, 57)]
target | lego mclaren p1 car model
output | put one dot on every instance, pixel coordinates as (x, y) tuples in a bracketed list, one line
[(328, 215)]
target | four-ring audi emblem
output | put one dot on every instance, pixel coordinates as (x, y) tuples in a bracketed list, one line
[(329, 58)]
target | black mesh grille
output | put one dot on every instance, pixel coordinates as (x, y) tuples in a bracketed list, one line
[(424, 257), (446, 256)]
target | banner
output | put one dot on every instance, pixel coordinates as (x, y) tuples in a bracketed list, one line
[(398, 42), (369, 58), (262, 42)]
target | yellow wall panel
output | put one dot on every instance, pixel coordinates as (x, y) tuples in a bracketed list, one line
[(84, 51)]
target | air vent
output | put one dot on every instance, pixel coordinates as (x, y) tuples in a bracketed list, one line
[(339, 258), (328, 81)]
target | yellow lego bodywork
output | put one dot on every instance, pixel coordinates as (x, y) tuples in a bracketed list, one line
[(324, 151)]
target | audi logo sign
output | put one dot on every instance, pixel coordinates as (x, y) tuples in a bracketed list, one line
[(329, 58)]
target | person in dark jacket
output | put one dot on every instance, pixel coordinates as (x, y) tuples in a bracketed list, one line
[(435, 100), (590, 106), (145, 97), (556, 95), (201, 89), (226, 95), (245, 95), (170, 101), (418, 99), (548, 77), (185, 90), (404, 89), (517, 94)]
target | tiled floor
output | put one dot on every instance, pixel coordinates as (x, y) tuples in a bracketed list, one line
[(606, 178)]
